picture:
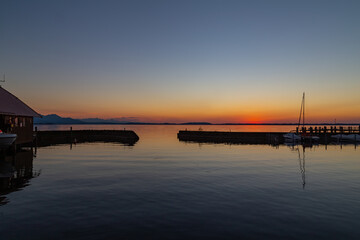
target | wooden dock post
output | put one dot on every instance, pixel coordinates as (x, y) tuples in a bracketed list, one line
[(36, 134), (36, 138), (303, 129)]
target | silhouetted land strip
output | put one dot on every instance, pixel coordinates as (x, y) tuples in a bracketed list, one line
[(47, 138)]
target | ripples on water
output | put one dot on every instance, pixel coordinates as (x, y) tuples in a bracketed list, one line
[(161, 188)]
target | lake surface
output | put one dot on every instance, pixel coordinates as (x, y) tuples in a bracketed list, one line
[(162, 188)]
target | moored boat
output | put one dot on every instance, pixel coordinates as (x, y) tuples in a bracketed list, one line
[(347, 137), (307, 136), (7, 139), (291, 136)]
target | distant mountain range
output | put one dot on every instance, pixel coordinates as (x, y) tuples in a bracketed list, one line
[(56, 119)]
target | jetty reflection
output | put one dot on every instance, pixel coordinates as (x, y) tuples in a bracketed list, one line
[(253, 138), (16, 171)]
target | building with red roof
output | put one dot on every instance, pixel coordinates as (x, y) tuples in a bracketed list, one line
[(16, 117)]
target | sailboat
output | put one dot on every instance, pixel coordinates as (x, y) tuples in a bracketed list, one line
[(294, 136)]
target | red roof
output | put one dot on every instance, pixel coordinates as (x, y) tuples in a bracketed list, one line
[(11, 105)]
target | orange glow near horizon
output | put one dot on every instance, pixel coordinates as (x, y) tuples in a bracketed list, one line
[(263, 107), (217, 116)]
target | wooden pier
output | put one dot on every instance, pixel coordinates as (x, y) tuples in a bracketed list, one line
[(47, 138)]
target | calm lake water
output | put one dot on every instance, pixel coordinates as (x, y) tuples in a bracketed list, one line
[(162, 188)]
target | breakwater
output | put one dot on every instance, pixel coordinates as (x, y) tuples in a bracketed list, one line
[(231, 137), (47, 138), (272, 138)]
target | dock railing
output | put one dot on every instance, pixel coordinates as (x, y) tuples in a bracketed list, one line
[(328, 130)]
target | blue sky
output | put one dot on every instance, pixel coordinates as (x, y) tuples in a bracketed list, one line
[(176, 60)]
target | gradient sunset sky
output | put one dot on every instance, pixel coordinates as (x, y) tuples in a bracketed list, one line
[(176, 61)]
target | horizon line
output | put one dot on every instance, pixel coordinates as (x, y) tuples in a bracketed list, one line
[(193, 123)]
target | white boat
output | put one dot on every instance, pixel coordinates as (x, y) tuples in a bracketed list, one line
[(347, 137), (310, 137), (6, 139), (292, 137), (298, 137)]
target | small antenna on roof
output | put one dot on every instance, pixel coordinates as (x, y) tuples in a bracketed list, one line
[(2, 80)]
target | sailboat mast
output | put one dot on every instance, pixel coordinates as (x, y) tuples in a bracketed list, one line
[(301, 111), (303, 108)]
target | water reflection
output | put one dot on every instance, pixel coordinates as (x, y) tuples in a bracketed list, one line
[(302, 164), (16, 171), (164, 188), (300, 149)]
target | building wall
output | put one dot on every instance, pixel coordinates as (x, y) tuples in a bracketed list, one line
[(22, 126)]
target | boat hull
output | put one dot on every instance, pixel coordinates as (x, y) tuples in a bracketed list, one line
[(292, 137), (349, 137), (297, 137), (7, 140), (316, 138)]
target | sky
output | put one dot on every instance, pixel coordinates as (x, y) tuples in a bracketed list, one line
[(176, 61)]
